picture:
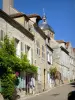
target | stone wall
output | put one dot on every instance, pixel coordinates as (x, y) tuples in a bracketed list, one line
[(1, 97)]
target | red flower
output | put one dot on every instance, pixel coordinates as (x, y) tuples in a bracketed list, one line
[(17, 73)]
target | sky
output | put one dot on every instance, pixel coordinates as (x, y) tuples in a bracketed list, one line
[(60, 15)]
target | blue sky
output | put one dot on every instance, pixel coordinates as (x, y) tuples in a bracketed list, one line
[(60, 15)]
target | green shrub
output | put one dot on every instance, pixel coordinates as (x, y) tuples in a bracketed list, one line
[(8, 86), (9, 64), (71, 80)]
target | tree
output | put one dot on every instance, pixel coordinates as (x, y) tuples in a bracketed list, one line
[(9, 62), (9, 65), (53, 71), (26, 66)]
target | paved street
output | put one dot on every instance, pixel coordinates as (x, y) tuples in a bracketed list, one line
[(59, 93)]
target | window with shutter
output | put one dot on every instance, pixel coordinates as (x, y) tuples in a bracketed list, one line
[(21, 46), (25, 48), (43, 52), (39, 74), (31, 56), (38, 48), (1, 35), (51, 60), (48, 57)]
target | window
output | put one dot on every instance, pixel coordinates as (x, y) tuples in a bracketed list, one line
[(51, 34), (17, 46), (39, 74), (30, 28), (1, 35), (49, 58), (71, 60), (31, 56), (21, 46), (26, 24), (38, 47), (48, 40), (28, 49), (16, 42), (43, 52), (25, 48)]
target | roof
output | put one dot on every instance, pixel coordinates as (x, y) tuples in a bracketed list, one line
[(15, 24), (65, 50), (67, 44), (34, 15), (40, 31), (60, 41), (73, 49), (19, 15), (44, 25)]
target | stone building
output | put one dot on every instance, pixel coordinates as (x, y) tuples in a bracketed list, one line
[(62, 53), (71, 60), (29, 39), (39, 44), (24, 40), (49, 51)]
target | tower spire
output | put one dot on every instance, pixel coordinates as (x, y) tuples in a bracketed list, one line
[(43, 11), (44, 16)]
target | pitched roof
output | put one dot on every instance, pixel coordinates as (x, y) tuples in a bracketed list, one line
[(34, 15), (67, 44), (19, 15), (60, 41), (65, 50), (37, 28), (15, 24), (73, 49)]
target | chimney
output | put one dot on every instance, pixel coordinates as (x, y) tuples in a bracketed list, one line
[(6, 5)]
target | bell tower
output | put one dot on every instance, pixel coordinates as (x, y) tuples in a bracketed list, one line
[(7, 4)]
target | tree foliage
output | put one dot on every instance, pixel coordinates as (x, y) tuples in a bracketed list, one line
[(53, 71), (29, 68), (8, 85), (10, 64)]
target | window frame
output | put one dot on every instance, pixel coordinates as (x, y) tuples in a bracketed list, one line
[(37, 48), (43, 52), (1, 35)]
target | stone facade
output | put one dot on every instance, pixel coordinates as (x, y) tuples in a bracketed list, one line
[(1, 97), (39, 55), (38, 42), (15, 33), (23, 42)]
